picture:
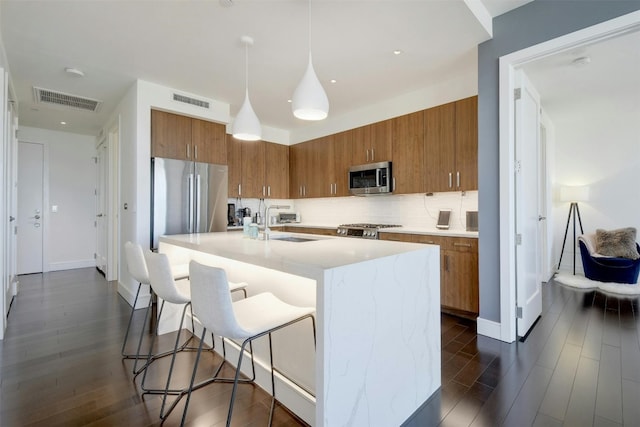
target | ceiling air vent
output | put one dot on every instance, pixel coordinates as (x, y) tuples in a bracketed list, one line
[(191, 101), (61, 99)]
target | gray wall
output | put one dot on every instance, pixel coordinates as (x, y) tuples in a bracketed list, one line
[(536, 22)]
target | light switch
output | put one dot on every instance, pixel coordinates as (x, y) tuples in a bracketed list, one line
[(54, 208)]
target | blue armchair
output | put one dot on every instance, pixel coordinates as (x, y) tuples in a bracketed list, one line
[(607, 269)]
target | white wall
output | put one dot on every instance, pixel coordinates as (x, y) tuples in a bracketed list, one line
[(70, 241), (603, 152)]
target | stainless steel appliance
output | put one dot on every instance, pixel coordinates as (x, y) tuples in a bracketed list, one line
[(187, 197), (364, 231), (369, 179)]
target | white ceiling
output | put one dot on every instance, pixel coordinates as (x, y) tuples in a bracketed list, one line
[(194, 46), (605, 86)]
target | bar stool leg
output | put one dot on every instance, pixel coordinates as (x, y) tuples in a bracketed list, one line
[(126, 334), (146, 316), (193, 377)]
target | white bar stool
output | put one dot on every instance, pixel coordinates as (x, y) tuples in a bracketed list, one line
[(244, 320), (164, 286), (137, 267)]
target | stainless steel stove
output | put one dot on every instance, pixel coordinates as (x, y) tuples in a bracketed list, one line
[(363, 231)]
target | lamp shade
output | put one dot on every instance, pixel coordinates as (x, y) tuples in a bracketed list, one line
[(309, 100), (246, 125), (574, 193)]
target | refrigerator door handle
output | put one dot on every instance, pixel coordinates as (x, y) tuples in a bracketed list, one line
[(190, 205), (197, 207)]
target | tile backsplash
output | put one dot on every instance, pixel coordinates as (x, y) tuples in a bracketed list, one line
[(409, 210)]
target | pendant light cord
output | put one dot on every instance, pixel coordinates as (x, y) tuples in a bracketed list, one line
[(309, 17), (246, 68)]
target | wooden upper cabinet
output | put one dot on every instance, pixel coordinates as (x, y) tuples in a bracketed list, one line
[(208, 142), (170, 135), (408, 154), (276, 159), (381, 141), (317, 181), (234, 160), (339, 162), (253, 169), (372, 143), (179, 137), (439, 152), (467, 144)]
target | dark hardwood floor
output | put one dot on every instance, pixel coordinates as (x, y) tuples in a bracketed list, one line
[(60, 366)]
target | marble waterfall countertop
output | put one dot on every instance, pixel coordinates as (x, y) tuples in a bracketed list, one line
[(377, 355), (308, 259)]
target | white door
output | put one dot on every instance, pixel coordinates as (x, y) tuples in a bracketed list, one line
[(527, 128), (102, 193), (30, 207)]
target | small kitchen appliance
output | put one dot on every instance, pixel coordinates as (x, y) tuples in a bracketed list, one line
[(362, 230)]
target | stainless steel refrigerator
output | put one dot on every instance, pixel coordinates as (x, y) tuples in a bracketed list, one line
[(187, 197)]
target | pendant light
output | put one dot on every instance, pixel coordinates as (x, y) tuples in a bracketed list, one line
[(309, 100), (246, 125)]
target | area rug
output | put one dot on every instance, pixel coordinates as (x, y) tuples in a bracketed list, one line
[(582, 282)]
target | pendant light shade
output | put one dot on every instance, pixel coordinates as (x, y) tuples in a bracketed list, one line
[(246, 125), (309, 100)]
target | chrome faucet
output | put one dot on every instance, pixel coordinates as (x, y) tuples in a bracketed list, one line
[(267, 219)]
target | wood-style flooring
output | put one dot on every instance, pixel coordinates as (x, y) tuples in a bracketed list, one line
[(60, 365)]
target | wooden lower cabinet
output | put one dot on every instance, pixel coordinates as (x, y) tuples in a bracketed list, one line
[(310, 230), (459, 282)]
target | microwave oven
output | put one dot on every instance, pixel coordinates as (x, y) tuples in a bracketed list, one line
[(372, 178)]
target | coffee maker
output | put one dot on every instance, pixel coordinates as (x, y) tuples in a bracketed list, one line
[(231, 214)]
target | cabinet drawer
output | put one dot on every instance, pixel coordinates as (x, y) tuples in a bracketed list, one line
[(461, 244), (429, 239)]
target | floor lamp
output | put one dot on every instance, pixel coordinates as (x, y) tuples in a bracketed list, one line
[(573, 195)]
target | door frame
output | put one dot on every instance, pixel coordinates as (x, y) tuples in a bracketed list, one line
[(507, 67), (113, 201)]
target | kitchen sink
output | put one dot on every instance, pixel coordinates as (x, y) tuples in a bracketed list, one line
[(292, 239)]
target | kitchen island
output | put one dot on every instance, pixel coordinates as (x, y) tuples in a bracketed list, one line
[(377, 356)]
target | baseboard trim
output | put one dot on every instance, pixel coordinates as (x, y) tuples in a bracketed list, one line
[(71, 265), (129, 295), (489, 328)]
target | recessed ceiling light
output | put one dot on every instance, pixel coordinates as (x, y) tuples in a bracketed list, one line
[(397, 52), (334, 81), (74, 72), (63, 123), (581, 62), (289, 101)]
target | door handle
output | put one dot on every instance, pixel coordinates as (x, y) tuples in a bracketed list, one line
[(99, 216), (541, 218), (36, 217), (36, 225), (12, 218)]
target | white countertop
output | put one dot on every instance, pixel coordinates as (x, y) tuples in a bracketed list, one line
[(307, 259)]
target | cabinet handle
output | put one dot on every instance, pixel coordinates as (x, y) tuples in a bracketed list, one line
[(367, 154), (263, 191), (450, 180), (466, 245), (430, 242), (300, 191), (372, 155), (188, 151), (304, 190), (195, 151), (335, 188), (268, 191), (458, 179), (239, 189), (393, 188)]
